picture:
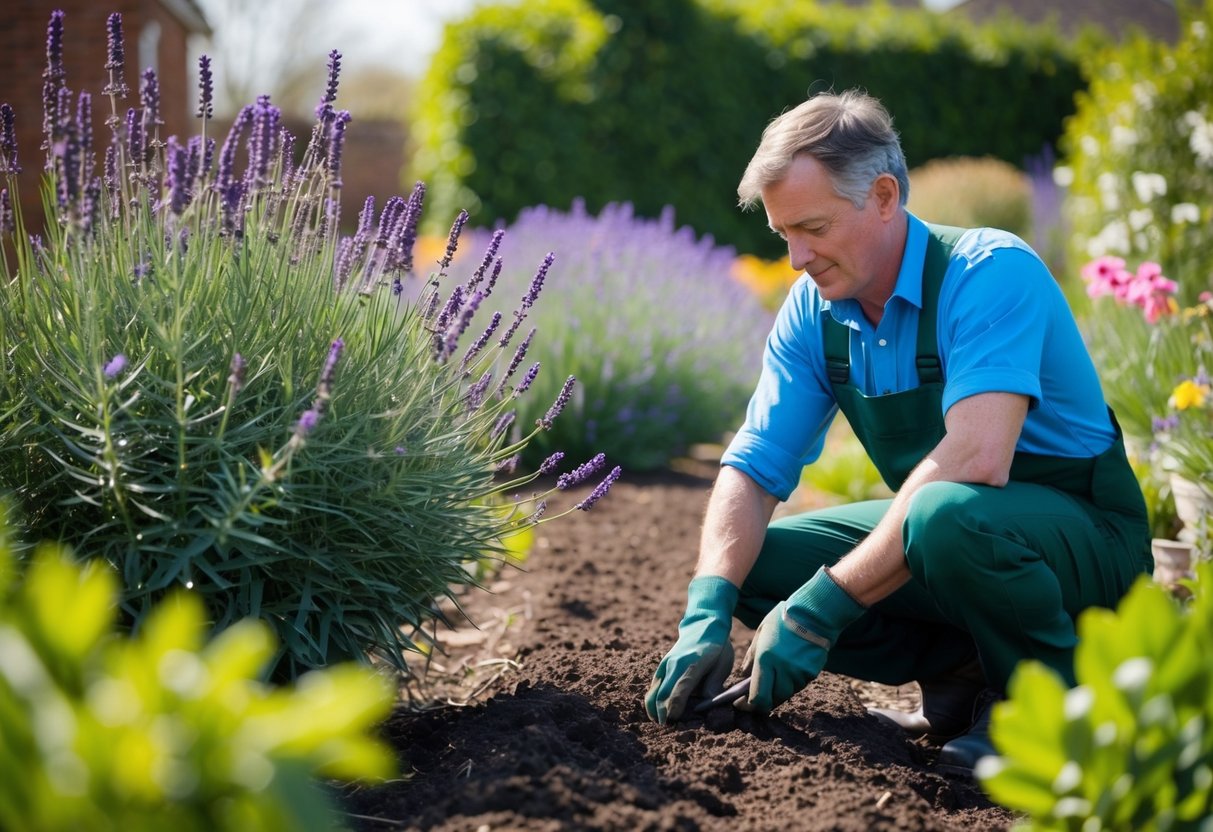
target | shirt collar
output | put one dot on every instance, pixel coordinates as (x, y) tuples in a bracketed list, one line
[(909, 275)]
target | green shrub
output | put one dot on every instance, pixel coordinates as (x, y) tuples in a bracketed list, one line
[(205, 386), (665, 343), (1139, 151), (163, 731), (544, 101), (1130, 748), (970, 192), (844, 472)]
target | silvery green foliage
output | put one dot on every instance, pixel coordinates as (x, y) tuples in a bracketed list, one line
[(206, 386)]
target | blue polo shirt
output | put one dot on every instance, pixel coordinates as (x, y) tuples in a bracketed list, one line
[(1003, 326)]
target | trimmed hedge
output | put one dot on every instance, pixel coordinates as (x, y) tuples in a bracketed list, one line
[(664, 103)]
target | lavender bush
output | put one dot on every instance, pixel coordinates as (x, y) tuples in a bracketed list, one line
[(205, 385), (665, 344)]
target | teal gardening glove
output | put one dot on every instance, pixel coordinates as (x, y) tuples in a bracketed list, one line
[(791, 644), (701, 656)]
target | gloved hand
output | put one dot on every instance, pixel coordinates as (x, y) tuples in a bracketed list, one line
[(702, 656), (791, 644)]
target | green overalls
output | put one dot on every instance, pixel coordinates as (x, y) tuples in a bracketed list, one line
[(1000, 573)]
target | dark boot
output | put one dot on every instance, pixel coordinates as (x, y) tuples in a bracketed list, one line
[(947, 705), (959, 756)]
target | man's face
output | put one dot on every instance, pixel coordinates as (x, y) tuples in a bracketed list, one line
[(839, 245)]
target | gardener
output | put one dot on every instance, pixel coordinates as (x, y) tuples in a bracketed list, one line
[(957, 362)]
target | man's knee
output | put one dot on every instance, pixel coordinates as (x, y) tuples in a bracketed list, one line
[(943, 533)]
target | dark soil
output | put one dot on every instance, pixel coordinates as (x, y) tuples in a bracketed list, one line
[(558, 739)]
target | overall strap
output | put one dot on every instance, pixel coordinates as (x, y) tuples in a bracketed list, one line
[(836, 340)]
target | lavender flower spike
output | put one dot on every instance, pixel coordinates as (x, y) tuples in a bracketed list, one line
[(236, 377), (527, 380), (149, 97), (600, 490), (8, 140), (177, 160), (549, 464), (452, 241), (115, 57), (330, 92), (566, 393), (581, 473), (8, 222), (206, 89), (114, 366)]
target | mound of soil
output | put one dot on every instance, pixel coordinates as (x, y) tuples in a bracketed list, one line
[(553, 735)]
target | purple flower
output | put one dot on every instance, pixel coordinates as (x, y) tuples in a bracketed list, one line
[(453, 303), (581, 473), (336, 143), (519, 354), (115, 366), (227, 156), (600, 490), (408, 233), (307, 422), (509, 466), (566, 393), (489, 255), (206, 89), (549, 465), (475, 393), (149, 97), (235, 375), (1165, 424), (177, 160), (502, 424), (452, 241), (8, 140), (52, 79), (134, 137), (330, 366), (539, 512), (265, 121), (330, 92), (115, 57), (460, 324), (8, 223), (528, 379), (84, 132), (480, 342)]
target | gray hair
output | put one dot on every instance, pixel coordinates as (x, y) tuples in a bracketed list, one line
[(850, 133)]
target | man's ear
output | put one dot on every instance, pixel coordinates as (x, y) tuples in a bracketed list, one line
[(887, 192)]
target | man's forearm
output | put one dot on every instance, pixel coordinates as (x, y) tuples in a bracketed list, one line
[(734, 526)]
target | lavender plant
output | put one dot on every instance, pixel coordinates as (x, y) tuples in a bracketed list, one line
[(665, 344), (206, 385)]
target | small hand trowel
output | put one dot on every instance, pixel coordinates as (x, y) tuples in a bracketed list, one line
[(727, 697)]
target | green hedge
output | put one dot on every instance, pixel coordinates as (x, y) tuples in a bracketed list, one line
[(660, 104)]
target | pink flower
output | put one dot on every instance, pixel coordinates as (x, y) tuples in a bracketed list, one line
[(1107, 276)]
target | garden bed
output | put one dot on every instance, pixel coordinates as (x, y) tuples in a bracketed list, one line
[(551, 732)]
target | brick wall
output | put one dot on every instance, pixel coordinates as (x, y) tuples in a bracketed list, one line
[(23, 58)]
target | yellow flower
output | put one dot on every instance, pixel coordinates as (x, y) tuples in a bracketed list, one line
[(1189, 394)]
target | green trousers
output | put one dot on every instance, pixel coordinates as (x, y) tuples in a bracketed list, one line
[(996, 573)]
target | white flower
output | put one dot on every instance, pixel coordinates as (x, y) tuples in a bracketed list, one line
[(1182, 212), (1199, 30), (1063, 176), (1148, 185), (1143, 94), (1140, 219), (1090, 146), (1123, 138), (1201, 142), (1114, 239)]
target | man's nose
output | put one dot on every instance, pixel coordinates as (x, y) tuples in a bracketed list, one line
[(801, 254)]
